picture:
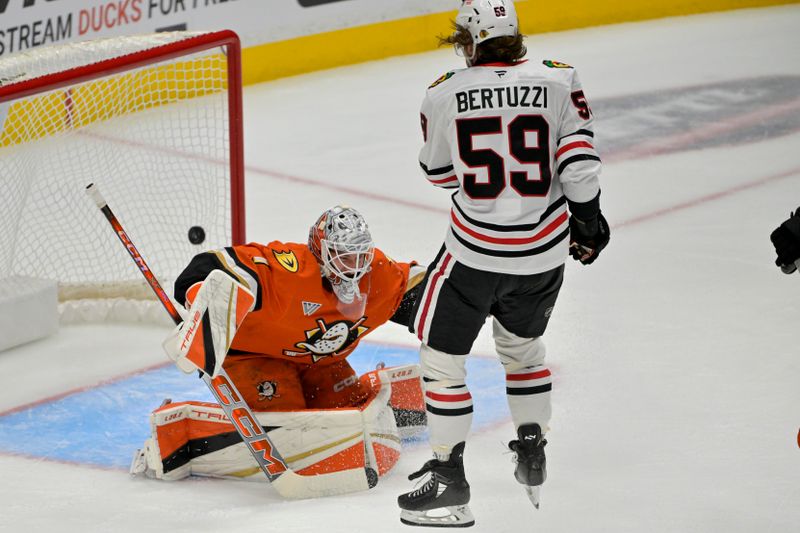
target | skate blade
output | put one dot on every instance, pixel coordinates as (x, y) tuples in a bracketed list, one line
[(533, 495), (454, 516)]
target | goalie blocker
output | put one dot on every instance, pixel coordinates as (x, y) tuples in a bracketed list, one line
[(218, 307), (344, 449)]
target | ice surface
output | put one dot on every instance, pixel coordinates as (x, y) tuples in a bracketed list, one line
[(675, 356)]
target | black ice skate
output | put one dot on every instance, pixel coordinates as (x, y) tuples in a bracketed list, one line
[(531, 468), (442, 500)]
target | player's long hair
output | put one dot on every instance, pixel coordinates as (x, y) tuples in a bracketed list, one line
[(497, 50)]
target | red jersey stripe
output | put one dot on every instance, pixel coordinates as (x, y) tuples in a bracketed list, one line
[(572, 146), (431, 288), (448, 179), (547, 230), (449, 397), (525, 377)]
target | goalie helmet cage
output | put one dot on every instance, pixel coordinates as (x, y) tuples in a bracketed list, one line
[(156, 121)]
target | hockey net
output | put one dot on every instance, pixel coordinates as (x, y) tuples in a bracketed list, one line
[(155, 122)]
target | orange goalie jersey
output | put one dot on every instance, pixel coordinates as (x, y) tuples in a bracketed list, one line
[(295, 316), (289, 352)]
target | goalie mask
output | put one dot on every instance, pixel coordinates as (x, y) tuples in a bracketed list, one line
[(343, 247), (484, 20)]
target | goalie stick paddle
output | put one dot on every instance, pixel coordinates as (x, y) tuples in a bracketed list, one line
[(228, 397)]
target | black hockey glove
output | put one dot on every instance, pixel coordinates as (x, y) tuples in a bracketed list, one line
[(786, 239), (587, 238)]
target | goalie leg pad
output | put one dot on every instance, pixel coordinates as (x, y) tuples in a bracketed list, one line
[(331, 451)]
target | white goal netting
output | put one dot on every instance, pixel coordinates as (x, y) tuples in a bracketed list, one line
[(148, 120)]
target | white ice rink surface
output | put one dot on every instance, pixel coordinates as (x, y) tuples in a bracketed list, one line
[(676, 358)]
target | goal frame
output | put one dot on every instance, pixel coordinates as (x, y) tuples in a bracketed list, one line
[(156, 54)]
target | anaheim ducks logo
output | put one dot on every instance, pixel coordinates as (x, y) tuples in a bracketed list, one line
[(287, 260), (267, 390), (329, 339)]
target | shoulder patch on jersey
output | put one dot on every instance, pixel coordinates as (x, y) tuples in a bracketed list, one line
[(555, 64), (441, 79), (286, 259)]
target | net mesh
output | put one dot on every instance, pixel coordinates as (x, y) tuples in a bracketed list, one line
[(154, 139)]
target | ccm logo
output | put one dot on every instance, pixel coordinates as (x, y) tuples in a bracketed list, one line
[(346, 382)]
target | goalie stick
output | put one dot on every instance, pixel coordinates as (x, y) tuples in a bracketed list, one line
[(288, 483)]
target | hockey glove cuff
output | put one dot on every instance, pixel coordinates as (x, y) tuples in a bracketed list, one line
[(588, 238), (786, 239)]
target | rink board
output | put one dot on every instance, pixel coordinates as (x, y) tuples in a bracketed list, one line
[(103, 425)]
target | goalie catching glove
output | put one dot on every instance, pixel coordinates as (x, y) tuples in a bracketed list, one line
[(217, 310)]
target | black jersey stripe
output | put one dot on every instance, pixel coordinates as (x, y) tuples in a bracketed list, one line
[(208, 345), (199, 267), (250, 271), (448, 412), (524, 391), (574, 159), (588, 133), (436, 171), (430, 380), (513, 253), (517, 227)]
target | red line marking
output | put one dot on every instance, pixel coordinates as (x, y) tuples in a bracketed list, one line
[(707, 198), (85, 388), (40, 458)]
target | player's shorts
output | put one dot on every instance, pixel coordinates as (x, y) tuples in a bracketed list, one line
[(456, 300), (271, 384)]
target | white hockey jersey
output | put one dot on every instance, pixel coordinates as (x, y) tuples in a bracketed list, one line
[(514, 141)]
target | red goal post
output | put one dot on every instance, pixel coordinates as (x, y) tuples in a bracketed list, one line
[(156, 121)]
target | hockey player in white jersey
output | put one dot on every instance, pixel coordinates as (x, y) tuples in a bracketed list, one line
[(513, 139)]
